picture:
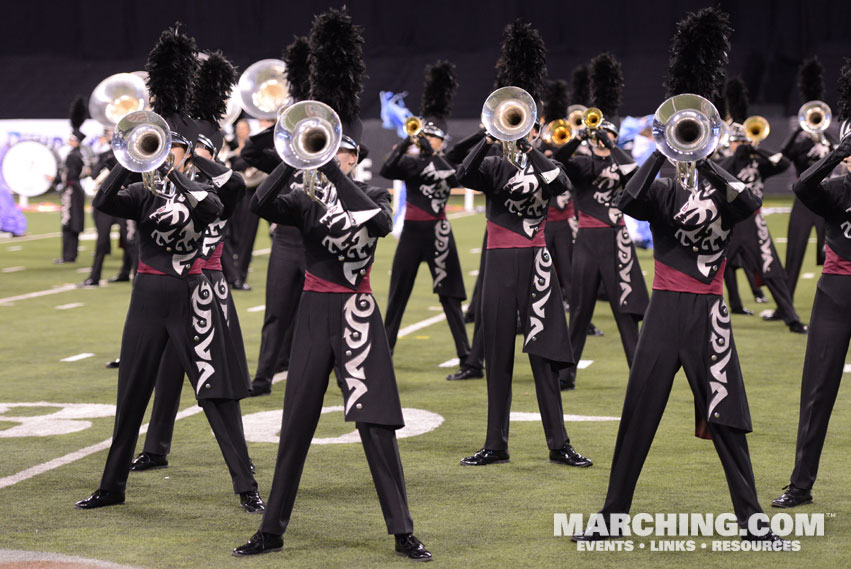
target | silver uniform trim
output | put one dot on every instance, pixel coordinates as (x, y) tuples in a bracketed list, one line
[(542, 285), (720, 349), (442, 231), (358, 342), (202, 324)]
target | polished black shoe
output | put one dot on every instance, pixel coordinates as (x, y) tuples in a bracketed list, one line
[(260, 542), (258, 389), (742, 310), (113, 364), (100, 499), (251, 466), (466, 373), (88, 283), (148, 461), (486, 456), (251, 502), (586, 536), (567, 455), (760, 298), (778, 543), (798, 327), (119, 279), (239, 285), (594, 331), (793, 496), (63, 261), (407, 545), (771, 315)]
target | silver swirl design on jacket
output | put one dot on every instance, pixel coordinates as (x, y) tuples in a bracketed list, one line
[(212, 236), (175, 230), (542, 289), (720, 352), (220, 288), (525, 199), (434, 186), (442, 231), (357, 342), (764, 242), (346, 237), (626, 259), (202, 323)]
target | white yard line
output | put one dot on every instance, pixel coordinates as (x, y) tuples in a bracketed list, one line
[(460, 214), (847, 368), (77, 358), (454, 362), (808, 276), (60, 288), (13, 269), (584, 363), (77, 454), (69, 306), (260, 308), (261, 251)]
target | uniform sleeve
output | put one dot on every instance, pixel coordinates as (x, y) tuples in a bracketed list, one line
[(113, 199), (640, 196), (552, 173), (771, 164), (73, 166), (381, 224), (231, 186), (399, 166), (567, 150), (741, 201), (475, 173), (461, 149), (259, 151), (204, 204), (361, 208), (826, 198), (266, 202)]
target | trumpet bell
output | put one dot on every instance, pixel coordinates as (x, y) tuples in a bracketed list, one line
[(814, 117), (116, 96), (592, 118), (308, 134), (557, 132), (686, 128), (756, 128), (141, 141), (413, 126), (263, 88), (234, 108), (509, 113), (574, 116)]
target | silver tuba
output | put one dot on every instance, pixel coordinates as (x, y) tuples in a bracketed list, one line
[(814, 118), (686, 128), (116, 96), (307, 136), (509, 113), (142, 143), (263, 88)]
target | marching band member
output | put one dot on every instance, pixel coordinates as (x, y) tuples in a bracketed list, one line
[(753, 165), (172, 302), (338, 325), (830, 322), (426, 235), (285, 273), (687, 324), (73, 216), (518, 273), (603, 252)]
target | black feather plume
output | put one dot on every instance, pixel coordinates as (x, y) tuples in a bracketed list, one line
[(439, 90), (211, 88), (337, 70), (171, 68), (606, 84), (736, 94), (298, 70), (580, 87), (699, 53), (811, 80), (844, 88), (720, 98), (523, 61), (555, 100), (77, 113)]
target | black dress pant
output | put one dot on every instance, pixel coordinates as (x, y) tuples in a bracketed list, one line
[(801, 223), (70, 244), (103, 246), (247, 224), (827, 347)]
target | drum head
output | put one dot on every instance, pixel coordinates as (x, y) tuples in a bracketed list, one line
[(29, 168)]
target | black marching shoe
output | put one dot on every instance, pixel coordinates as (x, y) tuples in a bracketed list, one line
[(88, 283), (589, 536), (258, 389), (148, 461), (119, 279), (798, 327), (778, 543), (466, 373), (260, 542), (251, 466), (251, 502), (239, 285), (771, 315), (486, 456), (113, 364), (567, 455), (594, 331), (742, 310), (760, 298), (409, 546), (100, 499), (793, 496)]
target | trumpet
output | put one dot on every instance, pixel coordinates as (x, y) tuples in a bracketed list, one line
[(413, 126), (814, 118), (592, 118), (574, 116), (307, 136), (686, 128), (756, 129), (142, 143), (116, 96), (557, 132), (263, 88), (509, 114)]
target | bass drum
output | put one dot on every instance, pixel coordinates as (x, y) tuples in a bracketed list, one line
[(29, 168)]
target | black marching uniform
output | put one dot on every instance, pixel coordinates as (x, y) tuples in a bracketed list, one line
[(751, 238), (426, 237), (603, 251), (73, 200), (686, 325), (519, 276), (171, 305), (830, 322), (338, 327)]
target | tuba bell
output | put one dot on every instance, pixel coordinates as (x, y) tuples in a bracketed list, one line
[(509, 113), (557, 132), (814, 118), (263, 88), (307, 136), (142, 143), (756, 129), (116, 96), (574, 116), (686, 128)]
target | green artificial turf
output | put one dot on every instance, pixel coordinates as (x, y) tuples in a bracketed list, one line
[(500, 516)]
